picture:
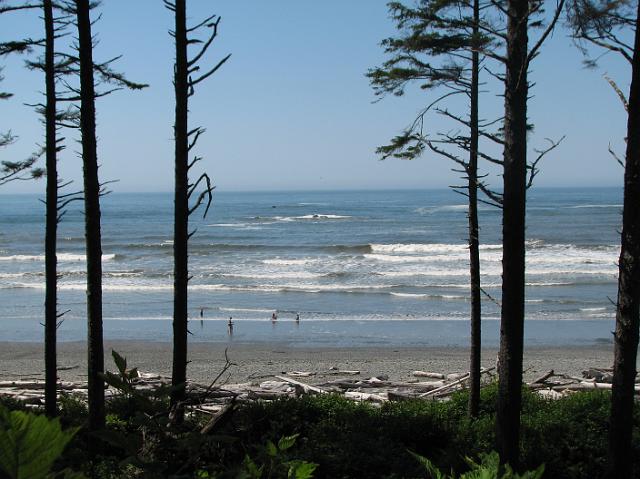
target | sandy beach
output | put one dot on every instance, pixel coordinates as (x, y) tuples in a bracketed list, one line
[(25, 360)]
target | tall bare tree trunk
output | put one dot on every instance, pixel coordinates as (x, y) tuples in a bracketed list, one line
[(513, 235), (474, 236), (628, 311), (51, 274), (181, 205), (95, 358)]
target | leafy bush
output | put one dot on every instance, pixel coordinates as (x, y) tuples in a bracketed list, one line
[(489, 467), (349, 439), (275, 464), (30, 443), (570, 434)]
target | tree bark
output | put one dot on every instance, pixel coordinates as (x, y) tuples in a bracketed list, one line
[(181, 205), (474, 237), (51, 274), (628, 310), (513, 231), (95, 352)]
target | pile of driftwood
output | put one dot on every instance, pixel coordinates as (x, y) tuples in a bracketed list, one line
[(554, 385), (212, 399)]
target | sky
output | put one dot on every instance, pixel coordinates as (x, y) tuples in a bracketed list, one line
[(292, 108)]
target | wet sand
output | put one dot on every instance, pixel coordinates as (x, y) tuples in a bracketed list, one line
[(26, 360)]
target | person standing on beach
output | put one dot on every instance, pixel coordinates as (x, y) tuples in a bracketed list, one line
[(298, 318), (230, 326), (201, 318)]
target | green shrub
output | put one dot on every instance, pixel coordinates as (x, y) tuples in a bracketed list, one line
[(30, 443), (489, 467), (349, 439), (570, 435)]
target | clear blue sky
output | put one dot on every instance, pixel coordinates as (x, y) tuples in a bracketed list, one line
[(292, 108)]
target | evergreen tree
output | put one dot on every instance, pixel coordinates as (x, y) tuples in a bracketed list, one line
[(439, 48), (55, 202), (51, 273), (520, 15), (84, 65), (608, 25)]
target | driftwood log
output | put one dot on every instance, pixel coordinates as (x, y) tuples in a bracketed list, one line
[(214, 400)]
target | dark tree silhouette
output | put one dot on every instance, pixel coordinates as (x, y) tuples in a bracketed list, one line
[(185, 140), (50, 247), (628, 309), (55, 202), (95, 352), (607, 25), (520, 15), (450, 31), (84, 66), (513, 234)]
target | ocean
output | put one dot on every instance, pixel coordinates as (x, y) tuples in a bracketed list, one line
[(386, 268)]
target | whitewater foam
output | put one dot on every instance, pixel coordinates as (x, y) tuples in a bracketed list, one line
[(62, 257)]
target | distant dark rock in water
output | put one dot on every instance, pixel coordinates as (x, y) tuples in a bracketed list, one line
[(274, 206), (604, 340), (316, 216)]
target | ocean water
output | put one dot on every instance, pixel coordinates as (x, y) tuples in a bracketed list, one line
[(360, 267)]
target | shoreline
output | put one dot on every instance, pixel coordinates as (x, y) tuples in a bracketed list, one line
[(25, 360)]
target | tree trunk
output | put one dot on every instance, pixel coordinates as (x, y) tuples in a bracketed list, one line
[(95, 358), (628, 310), (474, 238), (181, 212), (51, 275), (513, 231)]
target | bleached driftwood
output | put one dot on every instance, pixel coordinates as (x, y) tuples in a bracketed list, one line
[(581, 386), (427, 374), (306, 387), (210, 399), (543, 378), (217, 418), (300, 374), (453, 384), (360, 396), (550, 394)]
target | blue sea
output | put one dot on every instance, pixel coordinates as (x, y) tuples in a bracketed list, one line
[(386, 268)]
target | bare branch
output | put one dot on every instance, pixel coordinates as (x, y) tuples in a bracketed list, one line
[(534, 51), (618, 91), (206, 44), (615, 156), (533, 166), (206, 193), (193, 83)]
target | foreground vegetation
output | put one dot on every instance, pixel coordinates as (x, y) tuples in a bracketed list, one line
[(329, 436)]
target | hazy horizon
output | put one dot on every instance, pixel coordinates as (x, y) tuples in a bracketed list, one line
[(328, 190)]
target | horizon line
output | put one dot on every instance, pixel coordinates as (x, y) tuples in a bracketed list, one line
[(329, 190)]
